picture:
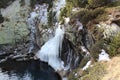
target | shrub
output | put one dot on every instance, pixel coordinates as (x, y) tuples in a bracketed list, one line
[(103, 17), (97, 3), (51, 17), (94, 73), (77, 3), (114, 46), (86, 15), (5, 3), (65, 12), (96, 48), (114, 3)]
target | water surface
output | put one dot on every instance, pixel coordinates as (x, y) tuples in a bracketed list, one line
[(28, 70)]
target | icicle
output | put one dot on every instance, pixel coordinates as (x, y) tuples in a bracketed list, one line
[(51, 49)]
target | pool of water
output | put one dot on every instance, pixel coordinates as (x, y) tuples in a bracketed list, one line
[(27, 70)]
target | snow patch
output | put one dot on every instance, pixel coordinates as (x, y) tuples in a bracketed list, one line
[(79, 24), (87, 65), (85, 50), (103, 56), (67, 20), (33, 15)]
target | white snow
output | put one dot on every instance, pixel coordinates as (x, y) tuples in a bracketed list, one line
[(103, 56), (85, 50), (64, 78), (87, 65), (75, 9), (79, 24), (40, 11), (50, 50), (67, 20), (33, 15)]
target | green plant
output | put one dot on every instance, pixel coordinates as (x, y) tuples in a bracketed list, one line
[(114, 46), (97, 3), (96, 48), (114, 3), (77, 3), (51, 15), (65, 12), (94, 73), (86, 15)]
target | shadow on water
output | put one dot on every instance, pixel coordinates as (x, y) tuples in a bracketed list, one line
[(28, 70)]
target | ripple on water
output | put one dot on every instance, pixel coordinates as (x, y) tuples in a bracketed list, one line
[(30, 70)]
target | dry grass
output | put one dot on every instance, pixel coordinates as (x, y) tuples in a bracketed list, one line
[(113, 69)]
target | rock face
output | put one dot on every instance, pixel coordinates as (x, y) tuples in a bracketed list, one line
[(70, 55), (14, 31), (14, 27), (109, 30)]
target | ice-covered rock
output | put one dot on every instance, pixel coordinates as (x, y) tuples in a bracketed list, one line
[(57, 7), (33, 15), (87, 65), (67, 20), (109, 29), (51, 49), (79, 24), (103, 56)]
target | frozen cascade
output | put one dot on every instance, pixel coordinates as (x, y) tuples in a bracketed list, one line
[(50, 50), (32, 24)]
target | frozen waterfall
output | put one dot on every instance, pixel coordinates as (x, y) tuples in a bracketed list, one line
[(50, 51)]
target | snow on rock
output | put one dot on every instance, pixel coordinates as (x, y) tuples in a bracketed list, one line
[(85, 50), (67, 20), (64, 78), (57, 6), (109, 29), (87, 65), (33, 15), (75, 9), (79, 24), (103, 56), (40, 11), (11, 10)]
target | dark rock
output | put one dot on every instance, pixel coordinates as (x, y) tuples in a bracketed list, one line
[(70, 55), (1, 18)]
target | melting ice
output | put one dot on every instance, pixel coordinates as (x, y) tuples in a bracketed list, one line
[(51, 49)]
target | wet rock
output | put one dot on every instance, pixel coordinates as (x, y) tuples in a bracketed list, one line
[(70, 55), (1, 18), (3, 60)]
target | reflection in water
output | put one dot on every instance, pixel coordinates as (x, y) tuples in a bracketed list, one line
[(30, 70)]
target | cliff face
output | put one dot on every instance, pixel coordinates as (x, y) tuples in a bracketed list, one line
[(14, 27), (88, 30)]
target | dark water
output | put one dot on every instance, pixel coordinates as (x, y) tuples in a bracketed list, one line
[(29, 70)]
